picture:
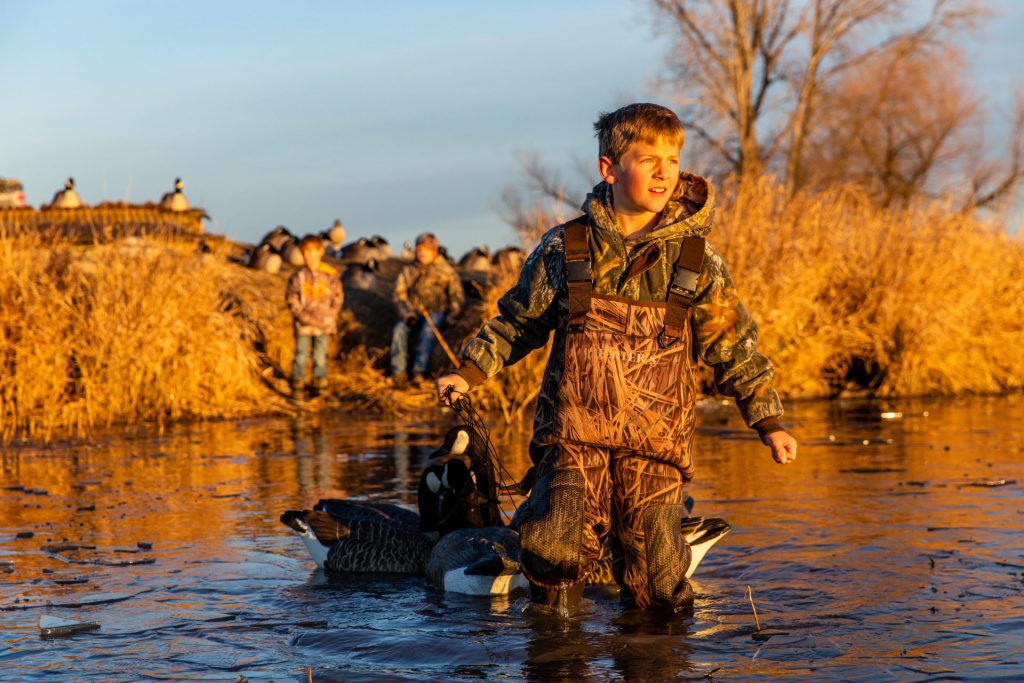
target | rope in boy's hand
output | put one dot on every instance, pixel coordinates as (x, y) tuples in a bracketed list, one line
[(469, 416)]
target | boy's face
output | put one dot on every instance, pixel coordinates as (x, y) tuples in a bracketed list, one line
[(425, 254), (643, 179), (312, 256)]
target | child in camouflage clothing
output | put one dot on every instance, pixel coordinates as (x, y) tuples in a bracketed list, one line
[(314, 296), (428, 286), (635, 296)]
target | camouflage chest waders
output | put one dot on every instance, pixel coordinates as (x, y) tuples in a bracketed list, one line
[(614, 428)]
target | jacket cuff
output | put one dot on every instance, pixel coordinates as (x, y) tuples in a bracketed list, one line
[(768, 425), (472, 373)]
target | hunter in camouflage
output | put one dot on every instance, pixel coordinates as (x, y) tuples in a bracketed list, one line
[(615, 416), (427, 287)]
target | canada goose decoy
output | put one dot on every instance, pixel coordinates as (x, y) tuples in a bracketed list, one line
[(175, 201), (477, 562), (349, 536), (336, 234), (462, 444), (382, 247), (360, 275), (476, 259), (67, 198), (277, 238)]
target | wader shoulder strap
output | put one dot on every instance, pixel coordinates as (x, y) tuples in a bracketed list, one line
[(577, 268), (683, 287)]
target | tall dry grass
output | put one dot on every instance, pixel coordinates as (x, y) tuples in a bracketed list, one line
[(153, 330), (122, 332), (919, 300), (851, 297)]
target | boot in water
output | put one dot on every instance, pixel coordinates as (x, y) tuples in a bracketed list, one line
[(564, 600)]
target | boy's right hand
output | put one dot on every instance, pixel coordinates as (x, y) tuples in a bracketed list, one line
[(459, 386), (783, 447)]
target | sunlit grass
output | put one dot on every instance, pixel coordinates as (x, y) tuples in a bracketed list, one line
[(849, 297)]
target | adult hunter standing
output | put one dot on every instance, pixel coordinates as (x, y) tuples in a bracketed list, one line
[(635, 296)]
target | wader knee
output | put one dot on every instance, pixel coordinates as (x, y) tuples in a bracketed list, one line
[(552, 533), (668, 557)]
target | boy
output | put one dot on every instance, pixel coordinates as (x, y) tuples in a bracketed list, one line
[(427, 285), (634, 295), (314, 296)]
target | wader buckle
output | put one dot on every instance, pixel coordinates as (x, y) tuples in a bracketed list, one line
[(684, 284)]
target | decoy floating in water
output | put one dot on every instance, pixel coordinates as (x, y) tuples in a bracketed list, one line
[(454, 539)]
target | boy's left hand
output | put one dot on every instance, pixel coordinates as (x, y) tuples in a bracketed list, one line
[(783, 447)]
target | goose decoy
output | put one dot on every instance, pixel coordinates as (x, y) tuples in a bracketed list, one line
[(349, 536), (382, 247), (175, 201), (463, 444), (477, 259), (336, 235), (477, 562), (361, 276), (67, 198)]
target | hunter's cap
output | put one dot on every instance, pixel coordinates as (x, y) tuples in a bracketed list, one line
[(428, 239)]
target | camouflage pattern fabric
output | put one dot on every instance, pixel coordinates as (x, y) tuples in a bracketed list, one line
[(314, 300), (617, 387), (620, 492), (724, 335), (435, 287)]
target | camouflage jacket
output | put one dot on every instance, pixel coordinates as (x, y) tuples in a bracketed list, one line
[(314, 300), (435, 287), (725, 337)]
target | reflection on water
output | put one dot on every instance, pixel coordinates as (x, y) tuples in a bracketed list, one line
[(890, 551)]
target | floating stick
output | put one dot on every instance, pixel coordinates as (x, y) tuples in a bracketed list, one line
[(750, 596)]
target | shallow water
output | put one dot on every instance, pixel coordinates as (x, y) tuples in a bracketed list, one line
[(889, 551)]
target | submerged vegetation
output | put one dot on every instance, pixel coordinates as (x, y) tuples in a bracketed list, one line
[(850, 297)]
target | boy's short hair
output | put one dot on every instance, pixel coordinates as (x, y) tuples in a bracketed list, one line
[(311, 241), (639, 122)]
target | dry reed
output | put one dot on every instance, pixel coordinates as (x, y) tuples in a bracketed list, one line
[(849, 297)]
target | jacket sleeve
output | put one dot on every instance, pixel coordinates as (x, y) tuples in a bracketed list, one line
[(726, 339), (456, 296), (401, 294), (337, 294), (526, 315), (293, 293)]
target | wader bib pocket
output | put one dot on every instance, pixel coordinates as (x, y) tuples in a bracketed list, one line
[(620, 387)]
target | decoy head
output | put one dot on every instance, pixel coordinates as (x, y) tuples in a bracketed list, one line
[(178, 185), (456, 442), (69, 184)]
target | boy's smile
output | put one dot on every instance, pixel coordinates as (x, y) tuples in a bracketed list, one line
[(642, 181)]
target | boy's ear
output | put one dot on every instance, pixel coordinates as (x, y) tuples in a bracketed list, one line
[(605, 167)]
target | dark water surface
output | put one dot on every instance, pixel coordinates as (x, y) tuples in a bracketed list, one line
[(890, 551)]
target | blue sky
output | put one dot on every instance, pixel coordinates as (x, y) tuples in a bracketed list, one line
[(397, 117)]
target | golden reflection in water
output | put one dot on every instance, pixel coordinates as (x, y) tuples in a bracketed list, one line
[(210, 480), (881, 519)]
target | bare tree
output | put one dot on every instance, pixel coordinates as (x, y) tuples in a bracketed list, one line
[(896, 124), (726, 58), (995, 182), (752, 74)]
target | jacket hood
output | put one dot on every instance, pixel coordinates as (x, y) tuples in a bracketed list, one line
[(689, 211)]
